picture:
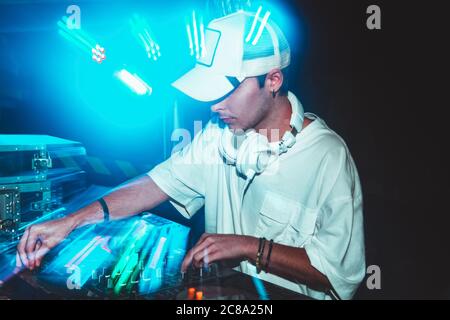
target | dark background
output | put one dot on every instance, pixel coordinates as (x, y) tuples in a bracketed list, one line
[(383, 91)]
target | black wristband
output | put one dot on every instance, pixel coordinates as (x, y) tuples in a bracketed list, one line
[(105, 209)]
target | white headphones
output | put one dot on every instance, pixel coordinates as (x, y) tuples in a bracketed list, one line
[(254, 154)]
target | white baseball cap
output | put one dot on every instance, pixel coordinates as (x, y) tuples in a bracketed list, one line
[(236, 46)]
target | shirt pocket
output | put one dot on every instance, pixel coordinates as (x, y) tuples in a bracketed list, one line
[(274, 217), (286, 221)]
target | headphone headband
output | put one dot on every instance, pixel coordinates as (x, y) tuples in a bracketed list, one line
[(298, 113)]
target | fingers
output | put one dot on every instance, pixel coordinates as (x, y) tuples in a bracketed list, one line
[(30, 248), (199, 257), (202, 238), (211, 248), (27, 247), (203, 253), (32, 256), (205, 257), (21, 247), (40, 253), (193, 256), (202, 244), (19, 264)]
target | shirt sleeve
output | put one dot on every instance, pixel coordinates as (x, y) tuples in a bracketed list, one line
[(182, 176), (337, 248)]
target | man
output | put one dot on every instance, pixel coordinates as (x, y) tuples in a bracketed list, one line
[(288, 210)]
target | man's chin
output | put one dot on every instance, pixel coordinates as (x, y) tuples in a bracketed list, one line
[(235, 129)]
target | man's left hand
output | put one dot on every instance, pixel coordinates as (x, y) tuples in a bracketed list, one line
[(219, 247)]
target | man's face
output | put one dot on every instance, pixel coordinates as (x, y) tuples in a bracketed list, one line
[(246, 107)]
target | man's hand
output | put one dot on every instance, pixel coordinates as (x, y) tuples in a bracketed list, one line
[(38, 239), (219, 247)]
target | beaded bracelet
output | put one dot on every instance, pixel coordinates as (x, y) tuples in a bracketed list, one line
[(262, 244), (268, 255)]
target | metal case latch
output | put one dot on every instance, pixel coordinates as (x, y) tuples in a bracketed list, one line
[(41, 161)]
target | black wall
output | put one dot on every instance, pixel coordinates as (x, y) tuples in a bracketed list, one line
[(383, 92)]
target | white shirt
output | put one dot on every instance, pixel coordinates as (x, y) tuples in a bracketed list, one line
[(312, 200)]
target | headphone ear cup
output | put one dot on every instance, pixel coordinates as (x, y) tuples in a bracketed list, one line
[(254, 154), (226, 148)]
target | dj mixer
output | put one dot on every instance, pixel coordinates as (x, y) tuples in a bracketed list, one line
[(137, 258)]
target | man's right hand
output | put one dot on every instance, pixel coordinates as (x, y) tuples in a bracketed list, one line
[(38, 239)]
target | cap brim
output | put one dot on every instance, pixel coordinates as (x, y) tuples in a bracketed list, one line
[(203, 85)]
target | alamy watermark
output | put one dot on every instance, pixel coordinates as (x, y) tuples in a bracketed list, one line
[(74, 20), (74, 280), (373, 21), (373, 281), (202, 149)]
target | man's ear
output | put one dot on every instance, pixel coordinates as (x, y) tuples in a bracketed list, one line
[(274, 80)]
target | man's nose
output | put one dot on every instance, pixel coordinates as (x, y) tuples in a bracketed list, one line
[(218, 107)]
